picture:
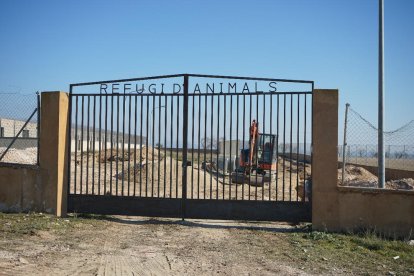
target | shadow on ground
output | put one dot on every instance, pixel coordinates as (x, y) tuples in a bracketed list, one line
[(278, 227)]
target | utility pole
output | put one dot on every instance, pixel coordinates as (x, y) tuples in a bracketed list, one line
[(381, 153)]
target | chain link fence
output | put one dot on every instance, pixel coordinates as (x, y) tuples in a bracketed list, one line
[(19, 128), (359, 153)]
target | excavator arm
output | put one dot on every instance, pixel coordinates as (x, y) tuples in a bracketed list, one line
[(254, 134)]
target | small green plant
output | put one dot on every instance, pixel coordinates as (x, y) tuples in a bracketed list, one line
[(316, 235)]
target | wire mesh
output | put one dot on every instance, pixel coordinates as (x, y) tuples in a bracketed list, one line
[(361, 151), (19, 128)]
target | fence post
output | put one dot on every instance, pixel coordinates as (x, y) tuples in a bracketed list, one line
[(185, 129), (344, 144), (324, 160), (53, 152), (38, 126)]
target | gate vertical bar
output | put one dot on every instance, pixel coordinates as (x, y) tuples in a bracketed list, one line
[(297, 150), (140, 146), (129, 142), (87, 144), (290, 147), (198, 147), (211, 145), (123, 145), (76, 144), (159, 143), (304, 149), (192, 146), (165, 143), (69, 136), (171, 145), (93, 144), (117, 143), (100, 144), (277, 147), (81, 157), (106, 141), (311, 140), (135, 144), (185, 126), (38, 128), (217, 147)]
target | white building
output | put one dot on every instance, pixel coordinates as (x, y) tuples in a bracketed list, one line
[(10, 127), (85, 140), (93, 140)]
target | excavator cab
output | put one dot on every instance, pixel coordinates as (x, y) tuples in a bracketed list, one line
[(256, 160), (259, 156), (265, 151)]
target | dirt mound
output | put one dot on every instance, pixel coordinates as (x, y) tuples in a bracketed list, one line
[(400, 184), (360, 177), (141, 156), (357, 177), (164, 177), (148, 167)]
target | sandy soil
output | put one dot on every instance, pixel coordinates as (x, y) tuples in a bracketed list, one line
[(141, 246), (124, 175)]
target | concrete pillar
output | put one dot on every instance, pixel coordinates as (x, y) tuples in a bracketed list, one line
[(53, 151), (324, 160)]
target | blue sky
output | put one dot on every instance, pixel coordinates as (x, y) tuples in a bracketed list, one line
[(45, 45)]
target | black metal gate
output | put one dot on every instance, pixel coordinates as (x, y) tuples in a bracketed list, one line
[(179, 146)]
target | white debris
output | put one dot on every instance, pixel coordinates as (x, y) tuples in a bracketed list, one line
[(20, 156)]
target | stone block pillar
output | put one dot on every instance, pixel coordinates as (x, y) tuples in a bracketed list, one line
[(54, 151), (325, 160)]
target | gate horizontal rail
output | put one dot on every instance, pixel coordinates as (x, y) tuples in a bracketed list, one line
[(196, 208)]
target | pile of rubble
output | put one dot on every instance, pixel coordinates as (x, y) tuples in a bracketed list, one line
[(20, 156), (400, 184), (359, 177)]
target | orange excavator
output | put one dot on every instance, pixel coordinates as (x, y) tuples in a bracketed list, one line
[(259, 157)]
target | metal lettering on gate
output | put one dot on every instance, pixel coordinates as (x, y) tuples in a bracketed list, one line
[(191, 146)]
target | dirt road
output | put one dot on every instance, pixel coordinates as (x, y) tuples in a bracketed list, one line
[(139, 246), (38, 244)]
